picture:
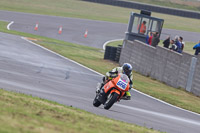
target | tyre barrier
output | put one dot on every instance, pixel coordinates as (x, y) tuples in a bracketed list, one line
[(112, 53), (117, 57), (107, 52)]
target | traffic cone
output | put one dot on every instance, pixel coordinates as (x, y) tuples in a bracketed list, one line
[(60, 30), (36, 26), (86, 33)]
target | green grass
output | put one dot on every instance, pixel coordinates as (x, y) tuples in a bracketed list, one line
[(93, 58), (79, 9), (115, 43), (177, 97), (22, 113)]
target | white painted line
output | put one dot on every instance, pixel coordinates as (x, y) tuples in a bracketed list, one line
[(61, 56), (8, 26), (104, 45), (165, 102), (103, 75), (160, 115)]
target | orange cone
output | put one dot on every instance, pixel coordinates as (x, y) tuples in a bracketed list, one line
[(36, 26), (60, 30), (86, 33)]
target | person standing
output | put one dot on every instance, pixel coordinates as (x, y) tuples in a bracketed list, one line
[(182, 43), (197, 48), (172, 46), (155, 39), (150, 38), (166, 42), (178, 44), (142, 28)]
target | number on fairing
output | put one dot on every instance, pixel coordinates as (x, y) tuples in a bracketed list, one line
[(121, 84)]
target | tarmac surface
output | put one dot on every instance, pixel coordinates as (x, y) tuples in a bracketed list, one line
[(73, 29), (28, 68)]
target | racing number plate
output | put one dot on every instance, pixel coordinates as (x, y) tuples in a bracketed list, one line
[(121, 84)]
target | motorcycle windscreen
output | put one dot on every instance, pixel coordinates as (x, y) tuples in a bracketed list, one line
[(123, 82)]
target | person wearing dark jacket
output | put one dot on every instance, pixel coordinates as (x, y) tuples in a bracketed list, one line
[(182, 43), (197, 48), (155, 39), (166, 42)]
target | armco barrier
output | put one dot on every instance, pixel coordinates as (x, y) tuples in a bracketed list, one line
[(153, 8), (162, 64)]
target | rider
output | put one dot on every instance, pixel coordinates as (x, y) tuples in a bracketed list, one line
[(125, 69)]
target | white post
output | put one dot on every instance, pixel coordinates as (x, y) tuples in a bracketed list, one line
[(191, 74)]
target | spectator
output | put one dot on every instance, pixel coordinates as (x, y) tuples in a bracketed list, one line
[(155, 39), (172, 45), (150, 38), (142, 28), (166, 42), (182, 43), (147, 38), (178, 44), (197, 48)]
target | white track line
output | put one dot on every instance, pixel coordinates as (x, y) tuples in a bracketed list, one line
[(24, 38), (103, 75), (165, 102), (8, 26), (161, 115), (104, 45)]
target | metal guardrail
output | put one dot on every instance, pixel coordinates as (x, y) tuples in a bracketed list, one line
[(153, 8)]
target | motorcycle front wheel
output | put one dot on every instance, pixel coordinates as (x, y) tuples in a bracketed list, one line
[(111, 100), (96, 102)]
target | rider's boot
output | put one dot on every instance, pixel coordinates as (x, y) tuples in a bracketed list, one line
[(127, 96)]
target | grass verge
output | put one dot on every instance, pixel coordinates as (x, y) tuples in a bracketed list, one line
[(79, 9), (93, 58), (21, 113)]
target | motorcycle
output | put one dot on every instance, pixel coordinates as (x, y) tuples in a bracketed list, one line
[(112, 91)]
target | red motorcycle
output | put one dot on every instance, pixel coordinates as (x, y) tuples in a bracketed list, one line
[(112, 91)]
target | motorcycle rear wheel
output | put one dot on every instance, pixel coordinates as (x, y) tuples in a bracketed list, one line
[(111, 100)]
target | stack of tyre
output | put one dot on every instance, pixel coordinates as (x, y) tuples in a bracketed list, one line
[(119, 48), (112, 53)]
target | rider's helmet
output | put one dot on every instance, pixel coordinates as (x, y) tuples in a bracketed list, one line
[(127, 69)]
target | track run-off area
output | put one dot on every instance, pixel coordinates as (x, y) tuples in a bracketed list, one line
[(31, 69)]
